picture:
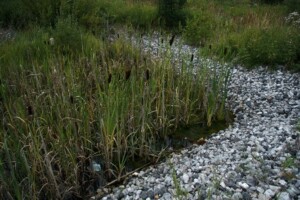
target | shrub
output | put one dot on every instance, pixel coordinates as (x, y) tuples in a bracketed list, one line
[(171, 13), (293, 5), (12, 13)]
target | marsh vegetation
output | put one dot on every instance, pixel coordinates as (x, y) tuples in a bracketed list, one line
[(76, 107)]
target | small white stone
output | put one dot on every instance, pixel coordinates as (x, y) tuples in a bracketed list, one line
[(237, 196), (269, 193), (243, 185), (284, 196), (168, 180), (262, 197), (223, 184), (196, 180), (274, 188), (185, 178), (282, 182), (96, 166)]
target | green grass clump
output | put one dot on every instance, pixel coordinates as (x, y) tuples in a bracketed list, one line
[(249, 34), (199, 28), (255, 46), (180, 193), (289, 162), (269, 47)]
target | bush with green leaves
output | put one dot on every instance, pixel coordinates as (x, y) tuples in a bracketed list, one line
[(12, 13), (293, 5), (171, 12)]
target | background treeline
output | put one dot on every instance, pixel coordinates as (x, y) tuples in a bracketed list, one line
[(249, 32)]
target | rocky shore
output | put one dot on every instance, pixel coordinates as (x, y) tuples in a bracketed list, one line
[(257, 157)]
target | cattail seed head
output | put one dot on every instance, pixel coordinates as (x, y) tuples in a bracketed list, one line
[(172, 40), (192, 57), (29, 110)]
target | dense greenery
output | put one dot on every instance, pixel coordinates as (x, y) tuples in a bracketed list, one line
[(69, 99), (246, 33)]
